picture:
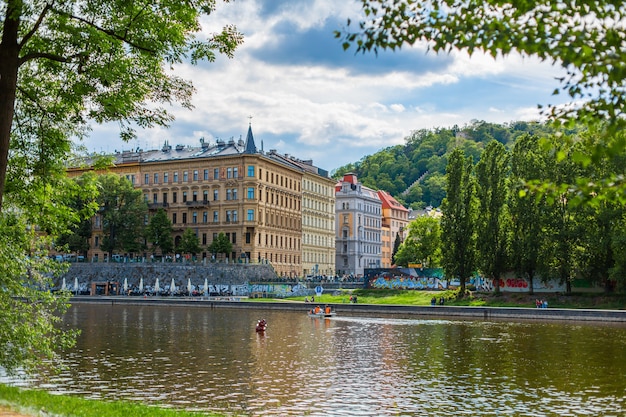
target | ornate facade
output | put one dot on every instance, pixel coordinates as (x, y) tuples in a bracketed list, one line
[(255, 198), (358, 227)]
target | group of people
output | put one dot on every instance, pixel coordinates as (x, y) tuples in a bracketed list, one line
[(318, 310), (541, 303), (433, 301)]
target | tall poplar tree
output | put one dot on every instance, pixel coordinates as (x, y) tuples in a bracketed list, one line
[(527, 208), (458, 223), (491, 178)]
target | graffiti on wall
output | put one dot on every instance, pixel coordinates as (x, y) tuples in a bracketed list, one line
[(433, 279), (279, 290)]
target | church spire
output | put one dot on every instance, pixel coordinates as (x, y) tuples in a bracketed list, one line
[(250, 145)]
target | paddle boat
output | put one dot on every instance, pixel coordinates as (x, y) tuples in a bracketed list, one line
[(319, 312)]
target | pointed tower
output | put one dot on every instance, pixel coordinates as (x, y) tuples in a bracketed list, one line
[(250, 145)]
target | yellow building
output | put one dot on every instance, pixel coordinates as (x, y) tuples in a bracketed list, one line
[(318, 219), (255, 198)]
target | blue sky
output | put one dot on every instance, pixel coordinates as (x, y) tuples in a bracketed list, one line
[(311, 99)]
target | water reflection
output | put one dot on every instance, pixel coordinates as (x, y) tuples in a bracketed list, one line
[(203, 359)]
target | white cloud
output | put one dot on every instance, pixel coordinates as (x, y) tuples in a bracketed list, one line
[(334, 113)]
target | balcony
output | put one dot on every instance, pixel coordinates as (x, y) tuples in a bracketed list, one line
[(201, 203), (156, 206)]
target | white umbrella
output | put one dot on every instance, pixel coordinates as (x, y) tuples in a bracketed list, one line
[(156, 286), (141, 284), (125, 285), (189, 286), (76, 284), (206, 287), (172, 286), (63, 284)]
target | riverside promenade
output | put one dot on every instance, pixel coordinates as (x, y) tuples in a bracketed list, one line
[(440, 312)]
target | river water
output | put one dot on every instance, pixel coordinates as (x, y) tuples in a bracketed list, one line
[(212, 359)]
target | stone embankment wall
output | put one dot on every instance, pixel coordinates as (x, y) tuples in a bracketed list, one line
[(215, 274)]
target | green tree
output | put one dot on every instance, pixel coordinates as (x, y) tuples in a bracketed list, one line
[(422, 244), (76, 239), (491, 180), (458, 224), (396, 245), (221, 245), (189, 243), (159, 232), (123, 210), (527, 208), (561, 254), (592, 54)]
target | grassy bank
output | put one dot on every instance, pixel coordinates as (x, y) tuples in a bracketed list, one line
[(423, 298), (29, 402)]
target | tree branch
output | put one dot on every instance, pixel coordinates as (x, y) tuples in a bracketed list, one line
[(36, 26)]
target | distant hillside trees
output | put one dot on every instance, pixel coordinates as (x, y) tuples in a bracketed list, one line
[(414, 172)]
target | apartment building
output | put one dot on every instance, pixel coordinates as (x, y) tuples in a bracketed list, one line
[(358, 217), (254, 197), (395, 218)]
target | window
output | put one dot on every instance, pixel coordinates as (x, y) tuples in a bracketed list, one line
[(176, 177), (228, 194), (184, 196), (227, 216), (194, 217), (205, 195), (154, 198), (195, 196), (185, 176), (216, 195), (235, 172), (234, 237), (205, 217), (250, 215), (184, 218), (174, 197), (250, 171), (174, 218), (247, 237), (166, 178), (146, 179), (216, 217), (250, 193), (206, 174), (164, 198), (204, 238), (195, 175), (229, 173), (216, 173), (156, 178), (234, 193), (97, 241), (234, 215)]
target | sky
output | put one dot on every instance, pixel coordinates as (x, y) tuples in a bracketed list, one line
[(305, 96)]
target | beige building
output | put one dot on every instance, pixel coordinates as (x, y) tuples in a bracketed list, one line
[(255, 198), (318, 216), (395, 218)]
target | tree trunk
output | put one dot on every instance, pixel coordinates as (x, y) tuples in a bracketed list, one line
[(531, 289), (9, 64)]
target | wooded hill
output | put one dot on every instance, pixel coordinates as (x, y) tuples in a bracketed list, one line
[(414, 173)]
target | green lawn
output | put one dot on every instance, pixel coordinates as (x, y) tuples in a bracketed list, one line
[(423, 298), (31, 402)]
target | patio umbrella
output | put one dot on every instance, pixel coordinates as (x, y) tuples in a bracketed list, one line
[(189, 286), (141, 284), (172, 286), (76, 285), (125, 285), (206, 287), (156, 287), (63, 284)]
